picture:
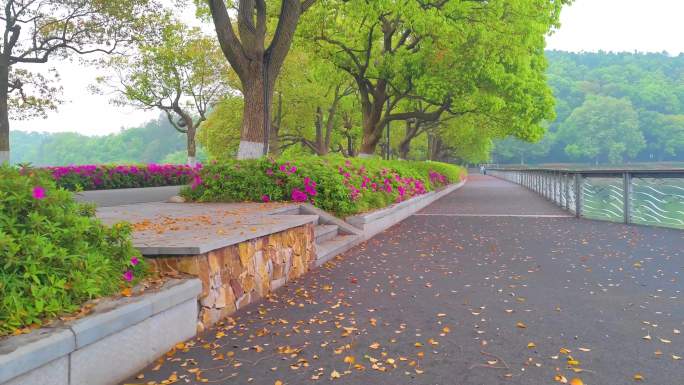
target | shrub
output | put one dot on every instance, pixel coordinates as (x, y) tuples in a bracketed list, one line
[(54, 254), (336, 184), (105, 177)]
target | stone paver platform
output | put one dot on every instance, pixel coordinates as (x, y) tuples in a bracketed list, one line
[(192, 228), (463, 294)]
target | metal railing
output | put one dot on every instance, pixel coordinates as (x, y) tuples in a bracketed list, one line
[(646, 197)]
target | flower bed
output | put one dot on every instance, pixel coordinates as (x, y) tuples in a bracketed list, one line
[(55, 254), (335, 184), (106, 177)]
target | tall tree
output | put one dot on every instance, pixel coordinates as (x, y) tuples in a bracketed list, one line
[(437, 52), (310, 98), (603, 129), (180, 72), (34, 31), (256, 61)]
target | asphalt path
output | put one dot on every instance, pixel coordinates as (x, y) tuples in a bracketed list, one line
[(490, 285)]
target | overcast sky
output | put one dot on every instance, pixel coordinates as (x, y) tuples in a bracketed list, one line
[(587, 25)]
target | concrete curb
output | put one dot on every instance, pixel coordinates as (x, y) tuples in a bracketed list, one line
[(377, 221), (49, 352)]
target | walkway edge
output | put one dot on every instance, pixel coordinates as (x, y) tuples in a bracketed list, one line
[(378, 221)]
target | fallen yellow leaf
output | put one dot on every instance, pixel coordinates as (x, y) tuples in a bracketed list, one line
[(560, 378), (335, 374), (278, 382), (521, 325), (638, 377), (576, 381), (572, 361), (374, 345), (531, 345)]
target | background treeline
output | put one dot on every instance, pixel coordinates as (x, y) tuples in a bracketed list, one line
[(155, 141), (611, 108)]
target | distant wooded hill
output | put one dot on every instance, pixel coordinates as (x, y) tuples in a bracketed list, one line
[(156, 141), (611, 108)]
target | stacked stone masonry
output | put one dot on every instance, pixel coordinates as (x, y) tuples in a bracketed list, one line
[(237, 275)]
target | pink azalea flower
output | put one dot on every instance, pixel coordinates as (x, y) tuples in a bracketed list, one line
[(265, 198), (299, 196), (310, 189), (135, 261), (196, 182), (38, 193), (269, 172), (128, 276)]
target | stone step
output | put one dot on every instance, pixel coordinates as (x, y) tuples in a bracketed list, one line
[(288, 210), (329, 249), (324, 233)]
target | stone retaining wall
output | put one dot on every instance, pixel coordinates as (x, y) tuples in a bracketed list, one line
[(237, 275)]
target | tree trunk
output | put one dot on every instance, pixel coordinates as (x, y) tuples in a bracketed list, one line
[(321, 148), (254, 116), (409, 135), (4, 111), (372, 107), (256, 66), (192, 146), (275, 128), (190, 128)]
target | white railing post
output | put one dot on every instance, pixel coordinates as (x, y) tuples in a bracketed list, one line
[(578, 195), (627, 196)]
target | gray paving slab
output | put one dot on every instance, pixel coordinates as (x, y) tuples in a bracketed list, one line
[(127, 196), (196, 228), (465, 300)]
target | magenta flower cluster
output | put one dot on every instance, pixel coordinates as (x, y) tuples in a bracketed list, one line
[(38, 193), (95, 177), (358, 180), (437, 178), (283, 171), (128, 274)]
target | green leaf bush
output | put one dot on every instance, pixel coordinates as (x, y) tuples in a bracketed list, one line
[(339, 185), (54, 254)]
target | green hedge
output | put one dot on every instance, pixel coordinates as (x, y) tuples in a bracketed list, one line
[(108, 177), (54, 254), (335, 184)]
